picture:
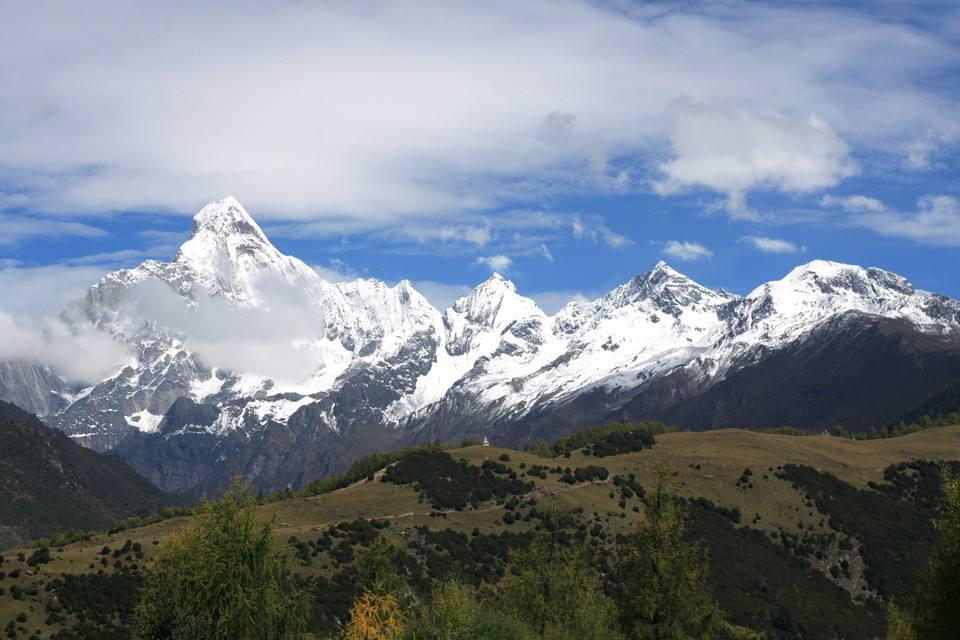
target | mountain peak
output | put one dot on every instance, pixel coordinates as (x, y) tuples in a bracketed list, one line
[(230, 253), (663, 267), (828, 278), (497, 281), (224, 218), (821, 268), (663, 286), (494, 297)]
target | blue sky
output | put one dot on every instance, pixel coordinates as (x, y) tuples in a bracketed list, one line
[(570, 145)]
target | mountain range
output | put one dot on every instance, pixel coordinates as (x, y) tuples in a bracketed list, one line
[(244, 361)]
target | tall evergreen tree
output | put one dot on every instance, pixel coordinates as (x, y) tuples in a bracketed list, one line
[(553, 590), (663, 593), (935, 610), (222, 580)]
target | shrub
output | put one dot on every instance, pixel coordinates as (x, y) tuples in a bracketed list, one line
[(222, 579), (450, 484)]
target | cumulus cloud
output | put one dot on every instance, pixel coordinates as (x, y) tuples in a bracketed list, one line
[(499, 263), (772, 245), (374, 110), (936, 220), (686, 251), (79, 353), (735, 151)]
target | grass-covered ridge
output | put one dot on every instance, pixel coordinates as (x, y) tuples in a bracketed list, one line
[(764, 568)]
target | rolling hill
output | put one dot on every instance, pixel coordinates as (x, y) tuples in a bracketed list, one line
[(807, 536)]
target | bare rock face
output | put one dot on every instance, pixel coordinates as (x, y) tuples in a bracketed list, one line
[(34, 386), (284, 370)]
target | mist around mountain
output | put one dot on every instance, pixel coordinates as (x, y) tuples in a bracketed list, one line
[(238, 360)]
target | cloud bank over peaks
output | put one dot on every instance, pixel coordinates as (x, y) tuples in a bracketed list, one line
[(376, 110), (79, 353), (734, 151)]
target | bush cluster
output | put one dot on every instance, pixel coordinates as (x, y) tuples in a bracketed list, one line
[(450, 484)]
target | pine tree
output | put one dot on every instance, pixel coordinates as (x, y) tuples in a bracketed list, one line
[(663, 593), (553, 590), (223, 579), (935, 610)]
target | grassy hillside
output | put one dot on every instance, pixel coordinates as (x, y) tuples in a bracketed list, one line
[(791, 552)]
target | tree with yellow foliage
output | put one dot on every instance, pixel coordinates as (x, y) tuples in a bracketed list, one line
[(375, 616)]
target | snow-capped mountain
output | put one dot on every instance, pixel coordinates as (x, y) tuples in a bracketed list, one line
[(270, 371)]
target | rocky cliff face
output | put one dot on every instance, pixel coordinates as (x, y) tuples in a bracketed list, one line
[(295, 376)]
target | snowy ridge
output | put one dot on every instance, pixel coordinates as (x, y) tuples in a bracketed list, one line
[(382, 354)]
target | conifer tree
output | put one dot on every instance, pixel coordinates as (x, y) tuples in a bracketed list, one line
[(553, 590), (222, 580), (663, 593), (934, 613)]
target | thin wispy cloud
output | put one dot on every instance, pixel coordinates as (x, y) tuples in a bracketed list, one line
[(598, 232), (15, 228), (772, 245), (934, 221)]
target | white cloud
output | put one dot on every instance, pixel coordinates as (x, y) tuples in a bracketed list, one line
[(278, 339), (735, 151), (15, 228), (936, 220), (80, 354), (918, 154), (46, 290), (545, 252), (499, 263), (772, 245), (686, 251), (596, 231), (477, 235), (854, 204), (380, 110)]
